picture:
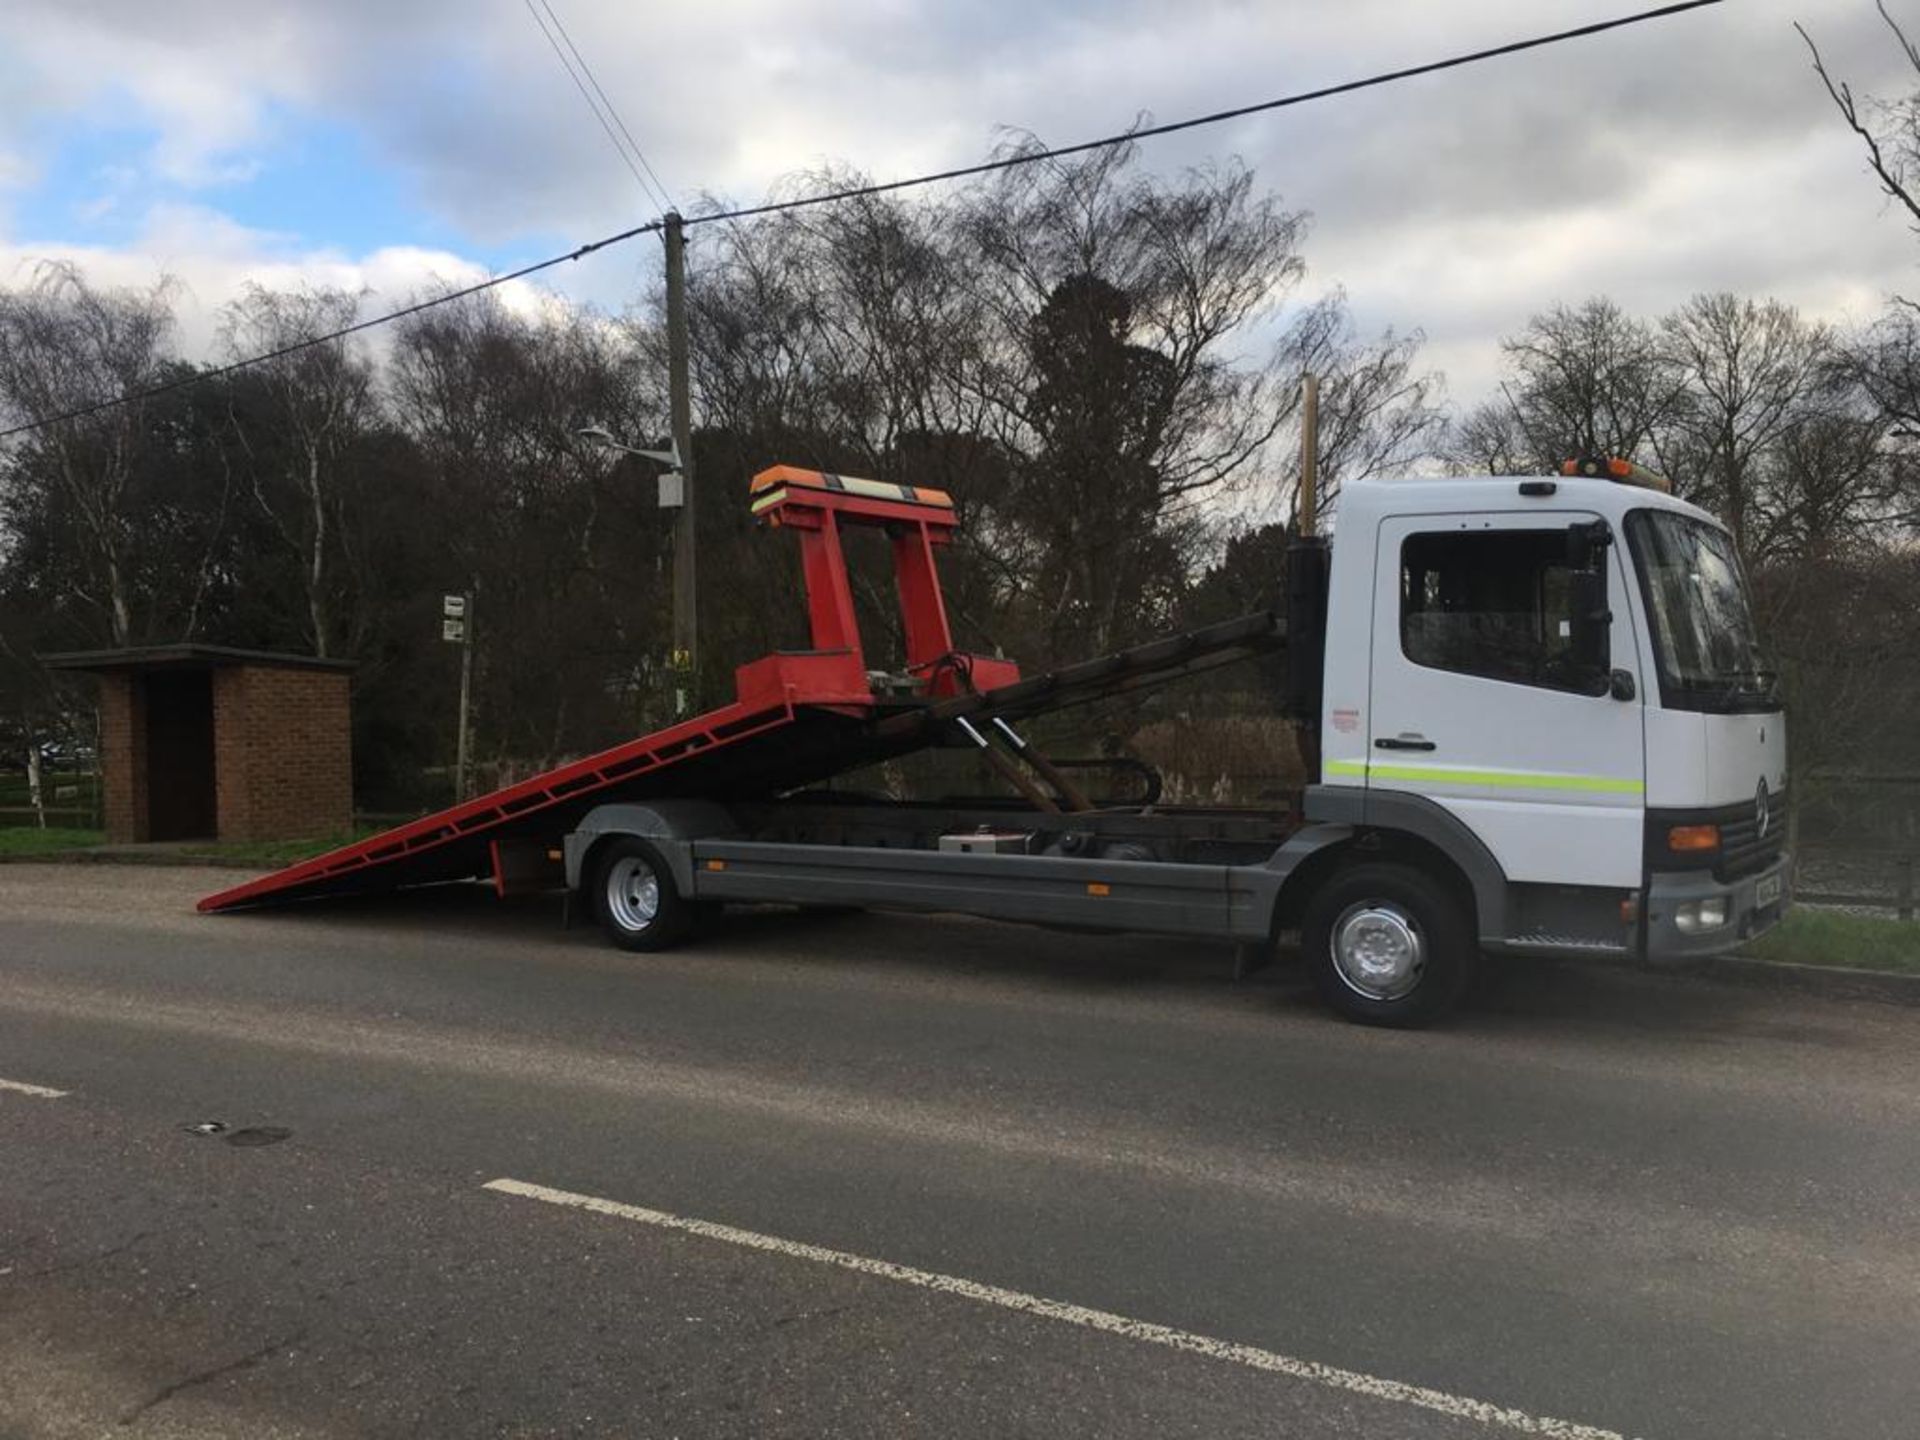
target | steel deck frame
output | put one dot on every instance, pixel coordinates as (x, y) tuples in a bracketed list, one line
[(799, 717)]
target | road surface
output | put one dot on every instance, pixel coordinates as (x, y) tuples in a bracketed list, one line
[(882, 1176)]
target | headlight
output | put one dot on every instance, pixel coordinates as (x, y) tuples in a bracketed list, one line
[(1693, 916)]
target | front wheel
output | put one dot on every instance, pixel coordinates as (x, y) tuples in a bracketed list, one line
[(1388, 945), (634, 893)]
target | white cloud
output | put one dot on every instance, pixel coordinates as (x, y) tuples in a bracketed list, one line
[(16, 170), (209, 258), (1771, 224), (1693, 154)]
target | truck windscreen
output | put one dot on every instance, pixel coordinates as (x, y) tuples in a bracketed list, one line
[(1703, 633)]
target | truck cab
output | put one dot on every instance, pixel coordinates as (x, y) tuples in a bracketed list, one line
[(1556, 682)]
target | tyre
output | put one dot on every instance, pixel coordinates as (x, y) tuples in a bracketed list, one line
[(633, 892), (1388, 944)]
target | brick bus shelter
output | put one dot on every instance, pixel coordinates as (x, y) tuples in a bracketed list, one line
[(201, 742)]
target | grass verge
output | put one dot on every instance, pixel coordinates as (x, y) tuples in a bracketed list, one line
[(32, 840), (1829, 937), (271, 854)]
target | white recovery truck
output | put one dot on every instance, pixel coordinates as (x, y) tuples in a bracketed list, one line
[(1532, 712), (1542, 725)]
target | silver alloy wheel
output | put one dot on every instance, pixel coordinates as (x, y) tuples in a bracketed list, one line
[(1378, 950), (633, 893)]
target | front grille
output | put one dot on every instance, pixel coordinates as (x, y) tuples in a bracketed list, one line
[(1743, 849)]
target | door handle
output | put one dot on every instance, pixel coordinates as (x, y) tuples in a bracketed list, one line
[(1404, 742)]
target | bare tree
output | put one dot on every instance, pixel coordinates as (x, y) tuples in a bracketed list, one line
[(1199, 259), (1753, 372), (1489, 440), (1115, 301), (566, 548), (1378, 411), (65, 346), (1885, 361), (849, 325), (1056, 347), (309, 412), (1591, 381), (1832, 486), (1890, 130)]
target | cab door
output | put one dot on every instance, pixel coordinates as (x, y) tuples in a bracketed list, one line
[(1479, 703)]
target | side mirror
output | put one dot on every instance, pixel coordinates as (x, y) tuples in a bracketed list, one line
[(1587, 543), (1590, 623), (1590, 628)]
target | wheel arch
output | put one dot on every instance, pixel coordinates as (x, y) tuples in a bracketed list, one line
[(1398, 825), (670, 826), (1366, 845)]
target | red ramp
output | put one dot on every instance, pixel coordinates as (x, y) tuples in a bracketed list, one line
[(798, 718)]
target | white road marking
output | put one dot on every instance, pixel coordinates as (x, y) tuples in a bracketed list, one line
[(1457, 1406), (21, 1087)]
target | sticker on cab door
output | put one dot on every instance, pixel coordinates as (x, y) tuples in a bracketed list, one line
[(1346, 721)]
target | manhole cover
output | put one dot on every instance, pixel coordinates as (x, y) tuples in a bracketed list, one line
[(259, 1135)]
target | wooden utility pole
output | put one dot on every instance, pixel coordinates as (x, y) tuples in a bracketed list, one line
[(1307, 589), (685, 660), (463, 743), (1310, 455)]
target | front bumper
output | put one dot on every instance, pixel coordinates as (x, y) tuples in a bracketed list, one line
[(1668, 895)]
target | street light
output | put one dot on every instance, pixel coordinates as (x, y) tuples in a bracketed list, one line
[(673, 486), (607, 440), (673, 496)]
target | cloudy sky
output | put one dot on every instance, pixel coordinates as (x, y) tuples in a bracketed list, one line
[(381, 144)]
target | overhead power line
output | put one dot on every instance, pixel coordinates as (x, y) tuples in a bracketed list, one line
[(431, 302), (607, 100), (1005, 162), (533, 8), (1345, 87)]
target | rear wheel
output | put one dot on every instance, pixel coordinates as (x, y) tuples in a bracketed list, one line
[(1388, 944), (634, 893)]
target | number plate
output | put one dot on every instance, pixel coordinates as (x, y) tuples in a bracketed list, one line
[(1766, 892)]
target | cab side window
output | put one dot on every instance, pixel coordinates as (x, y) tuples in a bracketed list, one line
[(1492, 603)]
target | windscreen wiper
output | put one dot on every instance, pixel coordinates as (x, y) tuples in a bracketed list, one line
[(1753, 684)]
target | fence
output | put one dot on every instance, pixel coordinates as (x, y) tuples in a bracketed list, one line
[(71, 799), (1856, 839)]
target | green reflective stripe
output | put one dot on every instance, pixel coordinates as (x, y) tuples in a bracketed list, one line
[(1506, 779), (1499, 779)]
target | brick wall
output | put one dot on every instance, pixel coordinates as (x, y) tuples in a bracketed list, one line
[(283, 757), (123, 758)]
